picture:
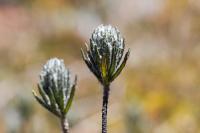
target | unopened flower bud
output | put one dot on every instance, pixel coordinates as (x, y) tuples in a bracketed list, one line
[(105, 52), (56, 87)]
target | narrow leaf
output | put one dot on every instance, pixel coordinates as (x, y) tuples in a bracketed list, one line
[(120, 68), (52, 99), (41, 102), (113, 62), (91, 66), (104, 67), (69, 102), (43, 94)]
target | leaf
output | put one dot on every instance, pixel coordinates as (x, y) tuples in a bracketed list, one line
[(113, 62), (104, 67), (121, 52), (68, 79), (94, 63), (52, 99), (43, 94), (55, 95), (86, 45), (108, 54), (61, 99), (91, 66), (69, 102), (97, 56), (63, 93), (44, 105), (120, 68)]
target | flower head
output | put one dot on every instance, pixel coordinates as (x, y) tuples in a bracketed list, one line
[(56, 87), (104, 55)]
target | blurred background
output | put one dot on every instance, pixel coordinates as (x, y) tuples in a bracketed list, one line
[(157, 92)]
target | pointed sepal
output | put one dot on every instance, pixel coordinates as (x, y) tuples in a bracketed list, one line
[(121, 66)]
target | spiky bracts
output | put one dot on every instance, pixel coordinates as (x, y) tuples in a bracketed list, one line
[(56, 87), (104, 55)]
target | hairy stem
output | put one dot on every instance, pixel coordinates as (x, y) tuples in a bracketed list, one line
[(64, 125), (106, 90)]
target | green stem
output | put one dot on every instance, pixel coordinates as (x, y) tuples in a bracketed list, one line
[(106, 90)]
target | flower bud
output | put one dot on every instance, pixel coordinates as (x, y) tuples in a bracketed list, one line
[(56, 87), (105, 52)]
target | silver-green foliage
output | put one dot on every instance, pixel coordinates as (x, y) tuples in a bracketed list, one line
[(56, 87), (104, 55)]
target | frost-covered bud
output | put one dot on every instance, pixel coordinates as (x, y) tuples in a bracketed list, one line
[(56, 87), (105, 52)]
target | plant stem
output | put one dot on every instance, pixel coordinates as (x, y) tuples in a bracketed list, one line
[(106, 90), (64, 125)]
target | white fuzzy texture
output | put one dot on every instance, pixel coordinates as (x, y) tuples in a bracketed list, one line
[(109, 35), (55, 76)]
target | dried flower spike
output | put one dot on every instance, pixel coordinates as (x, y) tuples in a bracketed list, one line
[(104, 57), (105, 53), (56, 89)]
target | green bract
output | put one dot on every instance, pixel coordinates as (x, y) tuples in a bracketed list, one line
[(104, 56), (56, 87)]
